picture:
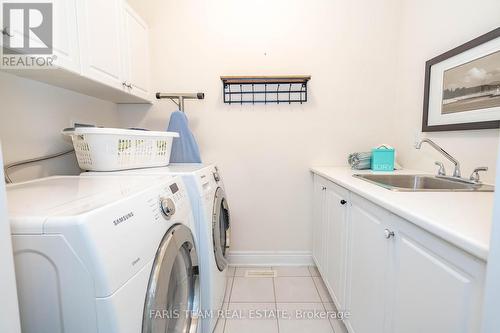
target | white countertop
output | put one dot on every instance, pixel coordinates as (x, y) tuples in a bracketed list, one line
[(461, 218)]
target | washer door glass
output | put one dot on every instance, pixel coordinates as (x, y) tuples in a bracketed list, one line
[(221, 227), (172, 296)]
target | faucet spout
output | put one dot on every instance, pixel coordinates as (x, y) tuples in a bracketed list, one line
[(456, 171)]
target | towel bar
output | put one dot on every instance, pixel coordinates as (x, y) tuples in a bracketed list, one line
[(180, 97)]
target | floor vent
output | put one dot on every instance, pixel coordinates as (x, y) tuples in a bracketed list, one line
[(255, 273)]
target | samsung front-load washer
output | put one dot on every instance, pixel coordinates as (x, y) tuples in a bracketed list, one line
[(212, 224), (107, 255)]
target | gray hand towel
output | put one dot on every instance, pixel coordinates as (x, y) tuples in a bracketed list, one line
[(360, 161)]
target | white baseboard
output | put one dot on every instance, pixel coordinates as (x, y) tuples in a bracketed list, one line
[(270, 258)]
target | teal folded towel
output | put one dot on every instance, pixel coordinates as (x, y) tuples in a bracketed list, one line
[(360, 161)]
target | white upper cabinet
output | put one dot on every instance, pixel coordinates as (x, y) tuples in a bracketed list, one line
[(65, 33), (101, 48), (136, 61), (65, 38)]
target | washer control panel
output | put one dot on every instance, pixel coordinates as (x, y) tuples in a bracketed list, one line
[(171, 198), (216, 176)]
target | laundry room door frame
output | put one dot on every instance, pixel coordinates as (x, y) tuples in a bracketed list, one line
[(9, 308)]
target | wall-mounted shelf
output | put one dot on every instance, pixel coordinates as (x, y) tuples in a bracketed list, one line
[(265, 89)]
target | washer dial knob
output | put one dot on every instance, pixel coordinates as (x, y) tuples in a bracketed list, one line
[(167, 206), (216, 176)]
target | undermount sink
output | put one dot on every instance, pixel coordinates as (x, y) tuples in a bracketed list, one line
[(423, 183)]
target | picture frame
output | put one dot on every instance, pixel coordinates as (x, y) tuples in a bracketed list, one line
[(462, 87)]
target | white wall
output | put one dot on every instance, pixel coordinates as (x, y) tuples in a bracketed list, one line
[(9, 308), (32, 115), (428, 28), (265, 151), (366, 59)]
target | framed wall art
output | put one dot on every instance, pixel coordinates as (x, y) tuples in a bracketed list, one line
[(462, 87)]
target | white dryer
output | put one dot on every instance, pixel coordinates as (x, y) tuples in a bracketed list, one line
[(212, 225), (107, 255)]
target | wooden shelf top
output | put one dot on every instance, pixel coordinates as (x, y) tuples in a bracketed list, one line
[(265, 79)]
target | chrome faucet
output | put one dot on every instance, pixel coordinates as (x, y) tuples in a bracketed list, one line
[(441, 171), (475, 174), (456, 171)]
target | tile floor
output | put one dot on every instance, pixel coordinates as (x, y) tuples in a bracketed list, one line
[(276, 304)]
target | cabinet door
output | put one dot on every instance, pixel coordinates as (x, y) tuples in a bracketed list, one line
[(101, 52), (368, 263), (65, 37), (319, 223), (438, 288), (136, 40), (336, 199)]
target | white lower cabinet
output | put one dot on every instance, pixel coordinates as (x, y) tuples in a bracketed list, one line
[(367, 266), (336, 202), (436, 287), (319, 217), (391, 275), (330, 247)]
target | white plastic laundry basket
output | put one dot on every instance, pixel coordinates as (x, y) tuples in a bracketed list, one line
[(111, 149)]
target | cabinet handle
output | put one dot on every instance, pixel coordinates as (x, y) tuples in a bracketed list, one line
[(5, 32), (323, 188), (129, 85), (388, 234), (343, 202)]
